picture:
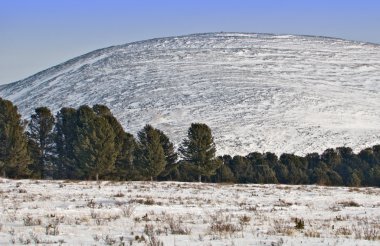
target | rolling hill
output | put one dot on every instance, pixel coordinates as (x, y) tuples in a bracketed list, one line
[(258, 92)]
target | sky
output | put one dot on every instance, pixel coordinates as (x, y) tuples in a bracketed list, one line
[(38, 34)]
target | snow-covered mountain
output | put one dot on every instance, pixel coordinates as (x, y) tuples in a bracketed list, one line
[(258, 92)]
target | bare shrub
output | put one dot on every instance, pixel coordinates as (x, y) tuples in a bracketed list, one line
[(119, 194), (281, 227), (128, 210), (312, 233), (282, 203), (140, 238), (177, 227), (147, 201), (357, 232), (345, 231), (152, 236), (353, 189), (371, 233), (24, 240), (299, 223), (30, 221), (108, 240), (222, 225), (349, 203), (94, 215), (224, 228), (35, 238), (341, 218), (52, 227), (91, 204), (244, 220)]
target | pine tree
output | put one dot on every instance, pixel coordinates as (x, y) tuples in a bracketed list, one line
[(124, 164), (41, 142), (199, 150), (224, 172), (121, 139), (297, 168), (125, 145), (171, 156), (65, 134), (150, 155), (242, 169), (14, 156), (94, 147)]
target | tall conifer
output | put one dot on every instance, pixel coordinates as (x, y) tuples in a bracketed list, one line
[(14, 156), (41, 140), (94, 147), (199, 150), (150, 155)]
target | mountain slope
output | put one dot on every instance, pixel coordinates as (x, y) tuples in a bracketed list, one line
[(258, 92)]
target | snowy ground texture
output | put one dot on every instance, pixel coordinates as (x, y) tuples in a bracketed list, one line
[(258, 92), (144, 213)]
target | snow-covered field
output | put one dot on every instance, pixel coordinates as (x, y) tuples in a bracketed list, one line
[(257, 92), (144, 213)]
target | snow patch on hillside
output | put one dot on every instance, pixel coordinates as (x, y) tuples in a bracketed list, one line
[(258, 92)]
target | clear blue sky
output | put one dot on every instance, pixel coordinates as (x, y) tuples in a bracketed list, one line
[(35, 35)]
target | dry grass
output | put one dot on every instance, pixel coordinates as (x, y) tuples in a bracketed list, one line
[(139, 215), (349, 203)]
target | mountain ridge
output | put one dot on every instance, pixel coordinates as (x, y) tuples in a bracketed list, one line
[(193, 34)]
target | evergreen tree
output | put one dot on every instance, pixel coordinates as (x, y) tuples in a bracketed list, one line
[(354, 179), (242, 169), (125, 145), (94, 147), (171, 156), (374, 176), (150, 156), (124, 164), (41, 142), (351, 168), (65, 134), (367, 155), (376, 152), (282, 173), (14, 156), (262, 172), (297, 168), (199, 150), (331, 158), (224, 172), (105, 112), (271, 159)]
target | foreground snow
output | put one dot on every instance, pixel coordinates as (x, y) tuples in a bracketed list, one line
[(140, 213), (257, 92)]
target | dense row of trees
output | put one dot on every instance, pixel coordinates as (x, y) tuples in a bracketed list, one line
[(89, 143), (338, 167)]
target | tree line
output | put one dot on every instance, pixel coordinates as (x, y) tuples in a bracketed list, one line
[(88, 143)]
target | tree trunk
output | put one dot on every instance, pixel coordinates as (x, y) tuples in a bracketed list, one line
[(151, 178), (200, 178), (97, 176), (4, 175)]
